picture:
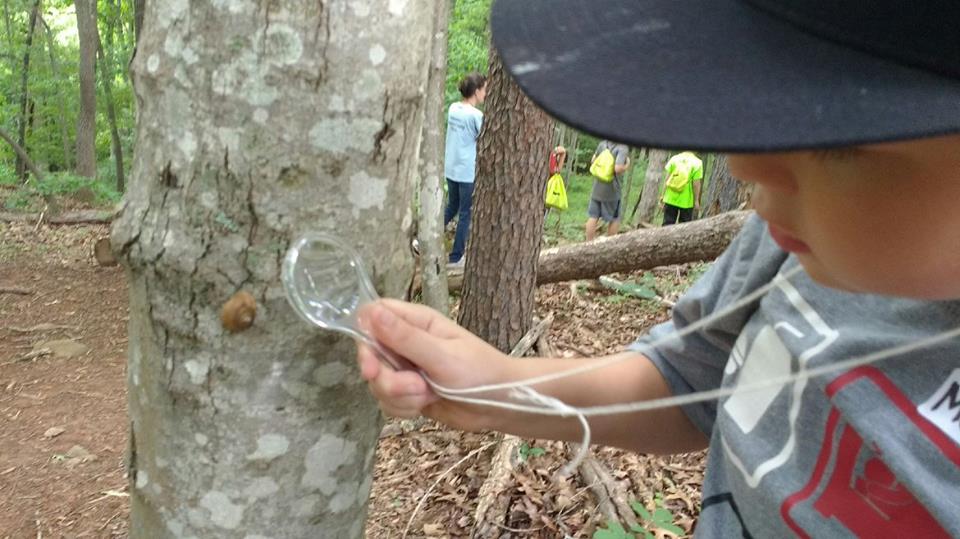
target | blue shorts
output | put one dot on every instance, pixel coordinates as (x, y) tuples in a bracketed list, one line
[(607, 210)]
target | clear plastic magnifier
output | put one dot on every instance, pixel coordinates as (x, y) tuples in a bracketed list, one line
[(326, 284)]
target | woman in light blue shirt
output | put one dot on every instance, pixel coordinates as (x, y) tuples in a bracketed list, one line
[(464, 121)]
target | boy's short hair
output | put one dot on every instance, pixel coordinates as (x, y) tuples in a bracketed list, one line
[(738, 75), (471, 83)]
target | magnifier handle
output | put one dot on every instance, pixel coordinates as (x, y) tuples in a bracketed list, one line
[(388, 357)]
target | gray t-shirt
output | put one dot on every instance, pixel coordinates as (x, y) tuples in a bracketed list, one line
[(610, 191), (870, 452)]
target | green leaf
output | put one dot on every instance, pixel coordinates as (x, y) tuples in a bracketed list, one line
[(640, 510), (661, 516), (614, 531)]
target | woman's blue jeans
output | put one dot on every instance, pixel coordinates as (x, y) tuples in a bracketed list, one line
[(459, 201)]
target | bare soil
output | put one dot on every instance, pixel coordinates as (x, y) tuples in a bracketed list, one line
[(63, 422)]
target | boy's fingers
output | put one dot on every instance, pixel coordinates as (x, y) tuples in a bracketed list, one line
[(413, 342), (424, 318), (368, 361)]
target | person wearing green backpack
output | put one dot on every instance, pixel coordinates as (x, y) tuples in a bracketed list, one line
[(681, 190), (608, 164)]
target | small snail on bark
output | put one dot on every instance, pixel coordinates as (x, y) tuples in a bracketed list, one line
[(239, 312)]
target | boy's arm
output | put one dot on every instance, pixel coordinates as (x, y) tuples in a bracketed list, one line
[(631, 380), (453, 357)]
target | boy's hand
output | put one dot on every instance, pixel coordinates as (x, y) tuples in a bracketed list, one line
[(450, 355)]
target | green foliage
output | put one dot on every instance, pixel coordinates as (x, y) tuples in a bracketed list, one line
[(99, 192), (527, 451), (53, 84), (661, 518), (468, 43)]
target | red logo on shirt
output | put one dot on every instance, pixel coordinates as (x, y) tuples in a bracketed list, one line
[(868, 499)]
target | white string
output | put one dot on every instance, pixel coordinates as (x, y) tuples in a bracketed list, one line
[(550, 406), (692, 328), (712, 394)]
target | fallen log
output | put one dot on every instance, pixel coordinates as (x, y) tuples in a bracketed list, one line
[(16, 291), (83, 217), (496, 492), (696, 241)]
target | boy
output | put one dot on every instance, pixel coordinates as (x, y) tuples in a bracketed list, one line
[(681, 190), (857, 120)]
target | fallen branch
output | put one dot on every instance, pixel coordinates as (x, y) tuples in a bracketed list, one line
[(93, 217), (15, 291), (611, 497), (496, 492), (623, 288), (696, 241)]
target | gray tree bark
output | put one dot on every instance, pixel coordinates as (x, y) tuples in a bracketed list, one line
[(257, 122), (650, 196), (87, 116), (433, 259)]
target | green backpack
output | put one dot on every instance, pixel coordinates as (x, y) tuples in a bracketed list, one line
[(603, 166)]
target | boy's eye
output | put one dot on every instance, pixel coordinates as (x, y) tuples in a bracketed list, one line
[(843, 152)]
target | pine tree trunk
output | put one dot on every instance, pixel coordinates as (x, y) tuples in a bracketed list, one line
[(433, 260), (257, 122), (24, 90), (724, 192), (652, 186), (87, 116), (501, 271)]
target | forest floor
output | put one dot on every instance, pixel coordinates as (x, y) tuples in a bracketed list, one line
[(63, 423)]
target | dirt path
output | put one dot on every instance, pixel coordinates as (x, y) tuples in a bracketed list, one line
[(43, 491)]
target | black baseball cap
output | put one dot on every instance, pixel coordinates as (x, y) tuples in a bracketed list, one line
[(738, 75)]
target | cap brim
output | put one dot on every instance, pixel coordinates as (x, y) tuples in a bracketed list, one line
[(714, 76)]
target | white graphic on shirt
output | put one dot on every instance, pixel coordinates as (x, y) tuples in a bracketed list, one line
[(768, 358), (943, 407)]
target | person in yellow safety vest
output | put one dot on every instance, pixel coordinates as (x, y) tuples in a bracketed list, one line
[(681, 190)]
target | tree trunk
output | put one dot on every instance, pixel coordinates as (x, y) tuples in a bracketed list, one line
[(501, 270), (725, 193), (258, 122), (106, 72), (6, 23), (61, 104), (87, 115), (22, 155), (650, 196), (139, 6), (703, 239), (21, 170), (433, 259), (631, 176)]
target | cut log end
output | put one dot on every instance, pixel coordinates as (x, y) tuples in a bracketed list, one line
[(103, 253)]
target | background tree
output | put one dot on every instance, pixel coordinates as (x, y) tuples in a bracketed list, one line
[(724, 192), (86, 119), (25, 109), (506, 231), (282, 117), (105, 56), (433, 259), (649, 202)]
